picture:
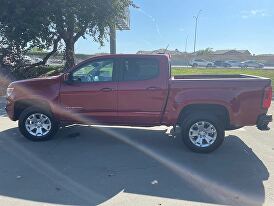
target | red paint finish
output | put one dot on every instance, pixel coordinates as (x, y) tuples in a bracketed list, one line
[(39, 90), (241, 97), (142, 102), (155, 101), (95, 100)]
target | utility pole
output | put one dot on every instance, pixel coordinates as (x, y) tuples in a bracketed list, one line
[(186, 59), (196, 26), (113, 39), (186, 44)]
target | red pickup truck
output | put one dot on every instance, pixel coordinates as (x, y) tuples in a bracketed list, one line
[(138, 90)]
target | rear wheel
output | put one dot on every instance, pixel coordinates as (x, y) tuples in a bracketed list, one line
[(202, 133), (195, 65), (37, 124)]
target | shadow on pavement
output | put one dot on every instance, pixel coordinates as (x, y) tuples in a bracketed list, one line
[(85, 166)]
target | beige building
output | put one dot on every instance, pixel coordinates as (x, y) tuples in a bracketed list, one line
[(182, 58)]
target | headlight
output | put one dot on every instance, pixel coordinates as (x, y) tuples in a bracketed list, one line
[(9, 91)]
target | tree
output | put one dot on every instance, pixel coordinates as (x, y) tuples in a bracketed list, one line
[(23, 28), (206, 51), (44, 24)]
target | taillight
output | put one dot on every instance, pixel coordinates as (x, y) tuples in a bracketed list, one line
[(267, 97)]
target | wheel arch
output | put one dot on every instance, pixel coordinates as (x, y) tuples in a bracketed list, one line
[(23, 104), (219, 110)]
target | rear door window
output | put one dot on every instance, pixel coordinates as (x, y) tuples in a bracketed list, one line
[(136, 69)]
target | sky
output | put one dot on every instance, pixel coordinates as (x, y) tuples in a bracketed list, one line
[(223, 24)]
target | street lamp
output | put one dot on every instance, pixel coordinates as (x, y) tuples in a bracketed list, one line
[(196, 25), (186, 60), (186, 42)]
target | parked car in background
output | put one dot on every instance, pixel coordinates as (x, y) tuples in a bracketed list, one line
[(201, 63), (37, 60), (233, 63), (220, 64), (27, 60), (252, 63)]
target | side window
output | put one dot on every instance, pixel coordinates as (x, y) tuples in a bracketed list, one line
[(140, 69), (95, 71)]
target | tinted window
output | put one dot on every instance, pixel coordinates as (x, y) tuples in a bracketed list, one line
[(95, 71), (140, 69)]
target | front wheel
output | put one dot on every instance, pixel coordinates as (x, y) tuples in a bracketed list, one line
[(37, 124), (202, 133)]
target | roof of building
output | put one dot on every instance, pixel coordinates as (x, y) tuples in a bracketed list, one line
[(231, 51), (162, 51)]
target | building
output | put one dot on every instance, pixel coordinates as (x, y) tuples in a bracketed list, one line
[(232, 52), (162, 51)]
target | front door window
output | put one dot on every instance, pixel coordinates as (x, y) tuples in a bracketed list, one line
[(96, 71)]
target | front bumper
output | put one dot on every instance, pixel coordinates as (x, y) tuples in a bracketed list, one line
[(263, 121)]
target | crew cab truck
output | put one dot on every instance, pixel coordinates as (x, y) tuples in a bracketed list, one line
[(138, 90)]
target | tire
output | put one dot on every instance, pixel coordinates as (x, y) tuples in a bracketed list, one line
[(190, 122), (195, 65), (44, 118), (209, 65)]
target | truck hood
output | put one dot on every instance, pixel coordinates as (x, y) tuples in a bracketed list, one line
[(44, 87), (35, 81)]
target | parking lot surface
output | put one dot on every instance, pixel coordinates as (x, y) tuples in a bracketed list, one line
[(84, 165)]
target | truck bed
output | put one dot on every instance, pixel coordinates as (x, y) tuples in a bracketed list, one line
[(240, 94)]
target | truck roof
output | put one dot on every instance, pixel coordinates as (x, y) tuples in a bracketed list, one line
[(119, 55), (133, 55)]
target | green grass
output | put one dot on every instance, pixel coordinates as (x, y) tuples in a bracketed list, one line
[(255, 72)]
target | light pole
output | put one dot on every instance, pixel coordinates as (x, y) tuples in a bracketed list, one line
[(186, 44), (196, 25), (186, 60)]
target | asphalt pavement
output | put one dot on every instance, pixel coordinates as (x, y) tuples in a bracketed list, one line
[(85, 165)]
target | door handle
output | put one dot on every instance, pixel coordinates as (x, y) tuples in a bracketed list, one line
[(152, 88), (106, 90)]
